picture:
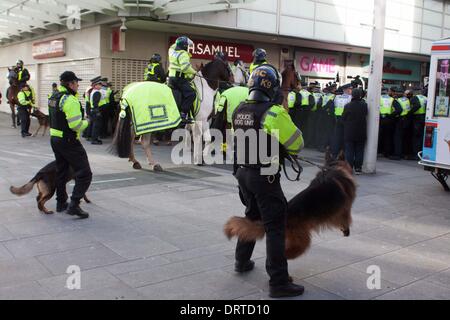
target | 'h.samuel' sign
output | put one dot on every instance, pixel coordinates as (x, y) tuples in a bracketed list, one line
[(205, 49)]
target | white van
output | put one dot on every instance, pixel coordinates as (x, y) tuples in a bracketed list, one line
[(435, 156)]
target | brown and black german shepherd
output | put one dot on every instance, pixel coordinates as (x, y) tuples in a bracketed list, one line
[(43, 120), (325, 203), (45, 181)]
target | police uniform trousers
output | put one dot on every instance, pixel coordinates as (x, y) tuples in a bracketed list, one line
[(24, 116), (311, 129), (338, 138), (187, 92), (386, 134), (264, 201), (96, 123), (69, 152), (418, 129), (401, 129)]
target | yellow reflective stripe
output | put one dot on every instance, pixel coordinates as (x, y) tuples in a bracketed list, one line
[(77, 127), (293, 139), (70, 120), (56, 133)]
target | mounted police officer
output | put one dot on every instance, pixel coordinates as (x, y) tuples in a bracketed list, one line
[(155, 71), (262, 194), (259, 58), (181, 74), (66, 125), (22, 74)]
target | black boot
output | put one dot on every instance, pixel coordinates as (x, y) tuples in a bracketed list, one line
[(61, 206), (244, 266), (287, 290), (75, 210)]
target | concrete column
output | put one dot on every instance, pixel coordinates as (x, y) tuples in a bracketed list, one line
[(374, 86)]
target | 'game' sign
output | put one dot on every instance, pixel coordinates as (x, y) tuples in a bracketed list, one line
[(205, 49), (316, 64)]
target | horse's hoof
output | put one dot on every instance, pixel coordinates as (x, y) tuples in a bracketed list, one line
[(157, 168), (137, 166)]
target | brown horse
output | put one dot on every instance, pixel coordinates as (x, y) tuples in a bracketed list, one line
[(290, 82), (11, 94)]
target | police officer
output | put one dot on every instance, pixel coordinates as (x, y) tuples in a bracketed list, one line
[(402, 124), (389, 109), (326, 118), (262, 194), (300, 104), (155, 71), (66, 125), (22, 73), (340, 101), (314, 126), (98, 101), (87, 98), (180, 75), (418, 110), (54, 90), (259, 58), (25, 99)]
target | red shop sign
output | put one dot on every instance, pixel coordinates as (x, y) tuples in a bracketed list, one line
[(205, 49), (49, 49)]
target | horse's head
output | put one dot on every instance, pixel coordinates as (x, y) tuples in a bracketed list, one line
[(215, 71), (12, 77), (289, 77)]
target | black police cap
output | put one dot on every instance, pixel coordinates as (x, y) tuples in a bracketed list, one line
[(69, 76), (347, 86)]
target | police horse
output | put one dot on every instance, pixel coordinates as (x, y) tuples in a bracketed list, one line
[(206, 83), (12, 92)]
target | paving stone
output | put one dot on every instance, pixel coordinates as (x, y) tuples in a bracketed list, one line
[(401, 267), (174, 270), (86, 258), (4, 253), (420, 290), (25, 291), (396, 236), (89, 280), (45, 244), (349, 284), (5, 234), (202, 286), (116, 292), (16, 271), (140, 247), (137, 265)]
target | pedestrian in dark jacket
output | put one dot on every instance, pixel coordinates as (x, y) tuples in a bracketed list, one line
[(355, 126)]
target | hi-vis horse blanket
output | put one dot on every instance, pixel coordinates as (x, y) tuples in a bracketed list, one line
[(153, 107)]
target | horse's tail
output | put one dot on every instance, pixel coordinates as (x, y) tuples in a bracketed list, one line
[(244, 229), (121, 144)]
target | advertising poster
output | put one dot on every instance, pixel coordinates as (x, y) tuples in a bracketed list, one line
[(441, 107), (443, 143)]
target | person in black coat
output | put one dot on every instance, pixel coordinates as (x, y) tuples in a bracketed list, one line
[(355, 134)]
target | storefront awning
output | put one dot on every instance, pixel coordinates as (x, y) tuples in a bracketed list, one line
[(21, 17)]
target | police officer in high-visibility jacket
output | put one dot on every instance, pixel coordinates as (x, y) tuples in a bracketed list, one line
[(340, 101), (25, 98), (418, 110), (98, 100), (300, 104), (402, 124), (181, 73), (23, 75), (262, 194), (326, 118), (66, 125), (155, 71), (389, 109), (259, 58)]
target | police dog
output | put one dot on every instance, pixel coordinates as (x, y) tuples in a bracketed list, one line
[(326, 203), (43, 120), (45, 181)]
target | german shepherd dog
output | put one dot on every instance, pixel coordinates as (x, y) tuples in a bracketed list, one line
[(45, 181), (326, 203), (43, 120)]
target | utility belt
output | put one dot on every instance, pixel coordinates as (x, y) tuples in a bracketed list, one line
[(179, 74), (384, 116)]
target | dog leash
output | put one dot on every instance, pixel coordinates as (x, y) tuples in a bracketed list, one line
[(312, 163)]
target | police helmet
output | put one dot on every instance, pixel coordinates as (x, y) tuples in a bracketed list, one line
[(263, 83), (238, 62), (259, 54), (19, 62), (221, 55), (183, 43), (156, 58)]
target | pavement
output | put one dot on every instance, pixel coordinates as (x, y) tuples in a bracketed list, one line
[(159, 235)]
